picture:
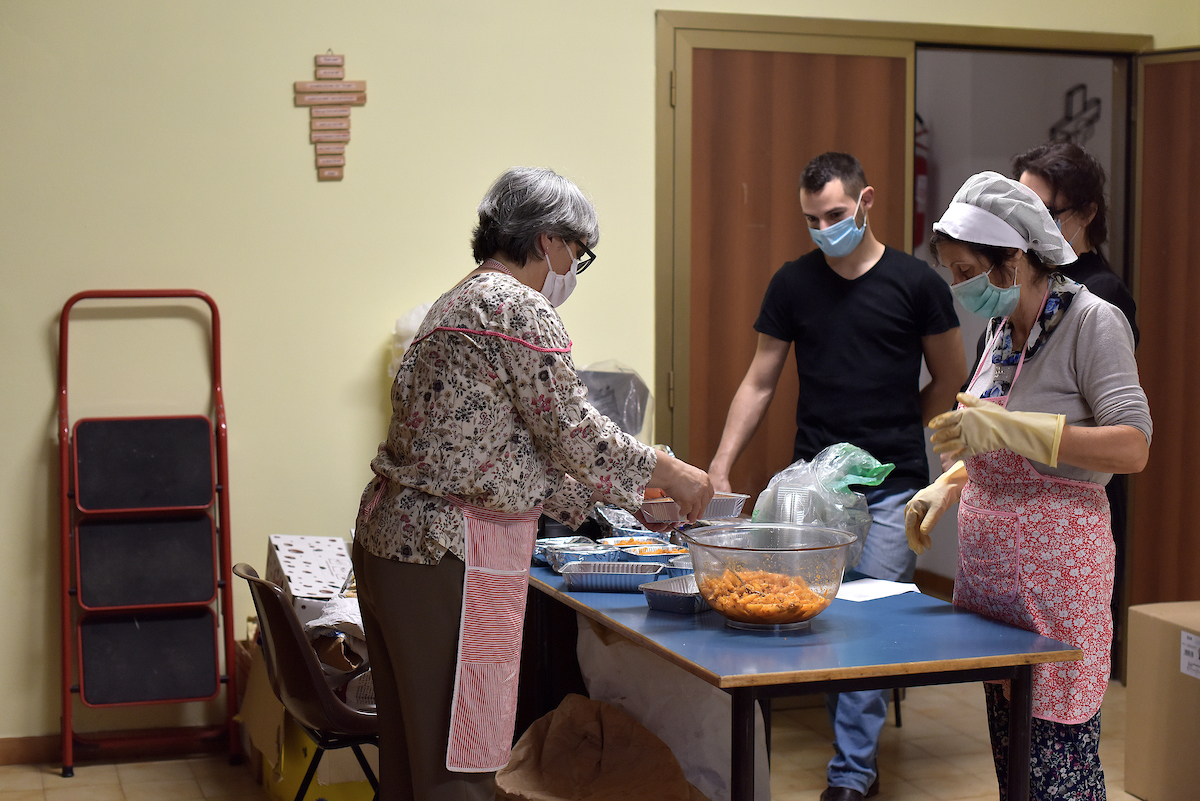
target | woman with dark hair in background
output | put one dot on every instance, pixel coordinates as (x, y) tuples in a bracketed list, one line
[(1070, 181)]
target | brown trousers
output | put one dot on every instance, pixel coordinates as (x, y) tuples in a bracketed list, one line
[(411, 616)]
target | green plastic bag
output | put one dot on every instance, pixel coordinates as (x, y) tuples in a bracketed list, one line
[(818, 493)]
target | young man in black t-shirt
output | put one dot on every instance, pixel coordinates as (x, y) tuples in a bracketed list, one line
[(862, 316)]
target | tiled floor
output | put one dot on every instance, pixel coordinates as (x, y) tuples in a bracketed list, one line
[(941, 753), (175, 780)]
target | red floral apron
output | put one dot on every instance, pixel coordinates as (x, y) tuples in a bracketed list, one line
[(484, 706), (1037, 552)]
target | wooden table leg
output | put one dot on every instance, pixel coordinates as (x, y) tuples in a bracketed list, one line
[(742, 774), (1020, 718)]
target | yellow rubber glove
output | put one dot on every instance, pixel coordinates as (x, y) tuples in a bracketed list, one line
[(927, 506), (985, 426)]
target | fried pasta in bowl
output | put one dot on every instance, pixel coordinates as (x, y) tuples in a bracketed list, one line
[(768, 576)]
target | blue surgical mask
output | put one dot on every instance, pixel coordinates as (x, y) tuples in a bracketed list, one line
[(841, 238), (980, 296), (1070, 241)]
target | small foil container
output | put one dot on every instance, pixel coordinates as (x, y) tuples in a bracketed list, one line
[(680, 566), (540, 546), (723, 505), (613, 518), (637, 530), (608, 576), (679, 595), (659, 553), (560, 555), (630, 540)]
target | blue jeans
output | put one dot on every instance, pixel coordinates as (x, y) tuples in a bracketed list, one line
[(858, 717)]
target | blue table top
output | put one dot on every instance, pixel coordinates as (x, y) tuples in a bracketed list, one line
[(902, 634)]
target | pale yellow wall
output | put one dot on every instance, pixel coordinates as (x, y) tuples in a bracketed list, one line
[(152, 144)]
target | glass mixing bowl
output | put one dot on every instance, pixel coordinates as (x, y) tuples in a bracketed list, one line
[(768, 576)]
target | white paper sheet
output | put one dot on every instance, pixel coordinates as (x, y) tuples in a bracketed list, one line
[(869, 589)]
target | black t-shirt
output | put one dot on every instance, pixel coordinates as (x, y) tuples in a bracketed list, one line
[(858, 352)]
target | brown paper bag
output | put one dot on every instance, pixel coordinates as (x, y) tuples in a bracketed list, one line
[(590, 751)]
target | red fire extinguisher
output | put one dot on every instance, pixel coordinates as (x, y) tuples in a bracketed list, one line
[(920, 181)]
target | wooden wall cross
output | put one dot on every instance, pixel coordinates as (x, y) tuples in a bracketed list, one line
[(329, 99)]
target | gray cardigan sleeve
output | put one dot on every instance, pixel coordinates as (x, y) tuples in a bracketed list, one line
[(1087, 372), (1107, 371)]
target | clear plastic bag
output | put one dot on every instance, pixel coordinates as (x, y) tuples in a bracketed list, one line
[(818, 493), (621, 395), (404, 333)]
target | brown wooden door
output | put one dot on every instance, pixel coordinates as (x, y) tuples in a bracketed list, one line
[(1164, 538), (757, 116)]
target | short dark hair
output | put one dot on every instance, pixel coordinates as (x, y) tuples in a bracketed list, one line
[(827, 166), (992, 255), (1074, 173)]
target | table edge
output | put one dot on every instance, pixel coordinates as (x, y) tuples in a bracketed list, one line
[(802, 676)]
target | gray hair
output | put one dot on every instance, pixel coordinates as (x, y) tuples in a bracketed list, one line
[(525, 202)]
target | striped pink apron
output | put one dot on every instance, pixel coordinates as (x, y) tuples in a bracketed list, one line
[(1037, 552), (484, 706)]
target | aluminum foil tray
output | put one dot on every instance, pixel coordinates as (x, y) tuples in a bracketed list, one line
[(665, 553), (608, 576), (642, 538), (723, 505), (614, 518), (539, 547), (560, 555), (679, 595), (680, 566)]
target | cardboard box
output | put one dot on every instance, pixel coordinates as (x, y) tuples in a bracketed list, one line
[(1162, 718), (311, 570), (286, 750)]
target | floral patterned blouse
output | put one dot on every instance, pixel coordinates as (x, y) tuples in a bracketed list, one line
[(486, 407)]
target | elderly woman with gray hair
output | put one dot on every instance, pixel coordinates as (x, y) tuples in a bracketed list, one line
[(490, 427), (1053, 410)]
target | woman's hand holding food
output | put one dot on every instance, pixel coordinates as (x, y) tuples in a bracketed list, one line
[(982, 426), (928, 505), (688, 486)]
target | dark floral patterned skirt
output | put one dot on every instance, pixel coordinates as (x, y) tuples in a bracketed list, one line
[(1064, 759)]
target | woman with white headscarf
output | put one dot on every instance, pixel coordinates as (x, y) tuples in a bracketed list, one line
[(1053, 410)]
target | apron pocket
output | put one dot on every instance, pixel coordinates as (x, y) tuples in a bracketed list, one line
[(989, 551), (494, 606)]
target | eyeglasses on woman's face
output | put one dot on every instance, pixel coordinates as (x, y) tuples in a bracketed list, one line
[(586, 257), (1056, 214)]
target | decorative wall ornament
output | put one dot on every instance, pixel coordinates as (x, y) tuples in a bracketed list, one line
[(1080, 115), (329, 99)]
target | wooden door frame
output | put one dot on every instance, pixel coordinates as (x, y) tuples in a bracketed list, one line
[(672, 270), (1135, 221), (1134, 224)]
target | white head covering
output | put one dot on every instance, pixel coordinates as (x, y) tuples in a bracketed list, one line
[(990, 209)]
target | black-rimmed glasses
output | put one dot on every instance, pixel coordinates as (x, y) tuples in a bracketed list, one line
[(586, 259)]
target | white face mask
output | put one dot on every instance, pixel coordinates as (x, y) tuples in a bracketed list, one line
[(557, 288)]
